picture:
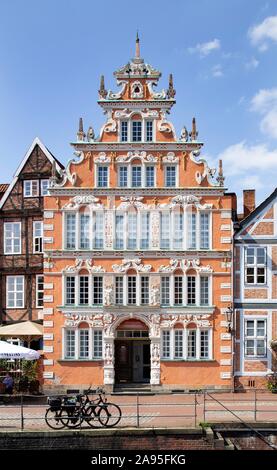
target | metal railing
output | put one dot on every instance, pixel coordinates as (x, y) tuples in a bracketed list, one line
[(184, 409)]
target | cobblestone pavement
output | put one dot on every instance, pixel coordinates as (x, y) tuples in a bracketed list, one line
[(172, 410)]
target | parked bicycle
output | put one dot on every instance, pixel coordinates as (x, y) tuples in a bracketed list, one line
[(71, 412)]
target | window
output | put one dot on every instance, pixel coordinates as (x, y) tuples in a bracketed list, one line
[(31, 188), (191, 344), (84, 290), (178, 224), (99, 230), (132, 231), (97, 344), (191, 221), (204, 231), (178, 344), (69, 344), (44, 187), (12, 238), (165, 344), (149, 131), (144, 236), (136, 131), (136, 176), (132, 290), (178, 290), (15, 291), (165, 230), (204, 344), (204, 290), (119, 290), (170, 175), (70, 231), (255, 338), (102, 177), (83, 344), (165, 290), (119, 232), (70, 290), (124, 131), (123, 176), (191, 286), (84, 231), (97, 290), (150, 177), (37, 236), (144, 289), (39, 291), (255, 265)]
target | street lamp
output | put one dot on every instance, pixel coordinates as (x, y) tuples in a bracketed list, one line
[(229, 318)]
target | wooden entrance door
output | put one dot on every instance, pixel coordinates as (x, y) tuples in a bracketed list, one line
[(123, 362)]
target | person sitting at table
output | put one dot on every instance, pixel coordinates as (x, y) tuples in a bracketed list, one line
[(8, 382)]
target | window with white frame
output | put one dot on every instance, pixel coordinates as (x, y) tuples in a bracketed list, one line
[(39, 290), (119, 290), (97, 290), (136, 131), (132, 231), (191, 231), (165, 290), (84, 231), (132, 290), (144, 290), (83, 290), (70, 344), (31, 188), (164, 230), (84, 343), (191, 290), (136, 176), (255, 265), (70, 226), (70, 287), (204, 290), (77, 290), (98, 230), (149, 176), (102, 176), (12, 238), (178, 230), (124, 131), (149, 131), (170, 175), (186, 344), (255, 337), (119, 231), (89, 344), (204, 230), (178, 290), (98, 344), (122, 176), (145, 230), (37, 236), (44, 187), (15, 291)]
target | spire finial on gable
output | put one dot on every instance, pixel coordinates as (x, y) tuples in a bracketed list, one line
[(102, 90), (137, 47), (80, 133)]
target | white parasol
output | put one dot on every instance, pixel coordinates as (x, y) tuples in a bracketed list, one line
[(10, 351)]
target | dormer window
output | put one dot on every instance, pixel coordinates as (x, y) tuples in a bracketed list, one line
[(136, 131)]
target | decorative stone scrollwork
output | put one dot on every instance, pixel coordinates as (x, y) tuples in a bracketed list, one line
[(108, 295), (170, 158), (136, 90), (102, 158), (164, 125), (185, 264), (184, 135), (57, 181), (81, 263), (77, 201), (131, 201), (118, 95), (155, 296), (134, 263), (155, 96), (207, 173), (142, 156), (185, 201)]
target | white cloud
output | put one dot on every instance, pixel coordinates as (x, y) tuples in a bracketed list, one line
[(251, 181), (205, 48), (252, 64), (241, 158), (217, 71), (262, 33), (265, 103)]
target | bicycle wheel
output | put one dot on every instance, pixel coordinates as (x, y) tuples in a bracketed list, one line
[(114, 414), (55, 419), (72, 418), (92, 416)]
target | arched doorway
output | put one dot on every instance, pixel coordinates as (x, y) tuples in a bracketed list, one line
[(132, 352)]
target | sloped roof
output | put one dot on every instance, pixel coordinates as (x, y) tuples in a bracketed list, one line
[(243, 223), (48, 154)]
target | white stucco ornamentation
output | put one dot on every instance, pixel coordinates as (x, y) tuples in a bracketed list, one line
[(108, 295), (102, 158), (66, 175), (108, 229), (77, 201), (170, 158), (165, 126), (137, 90), (131, 201), (154, 95), (142, 156), (185, 265), (81, 263), (207, 173), (134, 263), (118, 95), (185, 201)]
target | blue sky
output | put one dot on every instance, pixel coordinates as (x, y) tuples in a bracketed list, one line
[(222, 54)]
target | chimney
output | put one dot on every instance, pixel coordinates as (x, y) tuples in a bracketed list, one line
[(249, 203)]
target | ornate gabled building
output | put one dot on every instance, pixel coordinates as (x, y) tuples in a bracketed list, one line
[(21, 236), (138, 260), (255, 293)]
